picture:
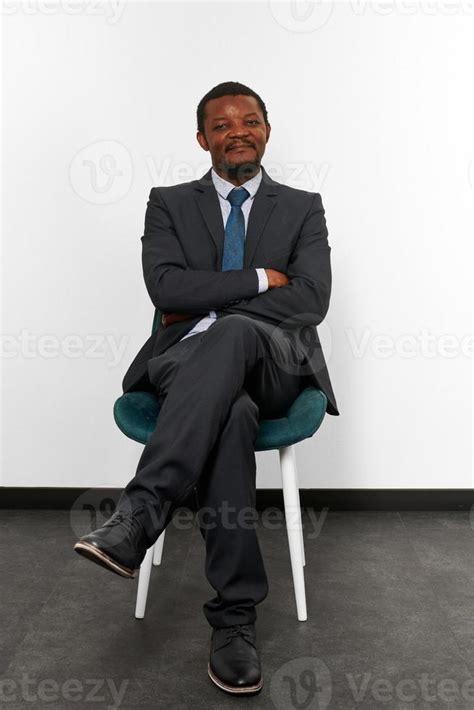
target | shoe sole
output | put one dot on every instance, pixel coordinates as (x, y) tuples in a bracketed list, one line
[(247, 690), (101, 558)]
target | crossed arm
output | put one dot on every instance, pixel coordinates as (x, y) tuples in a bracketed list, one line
[(183, 293), (171, 284)]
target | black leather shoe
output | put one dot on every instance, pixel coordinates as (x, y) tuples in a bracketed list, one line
[(234, 665), (119, 545)]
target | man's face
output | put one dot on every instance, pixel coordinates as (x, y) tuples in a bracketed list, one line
[(236, 134)]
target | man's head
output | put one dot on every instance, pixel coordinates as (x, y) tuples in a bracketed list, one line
[(233, 126)]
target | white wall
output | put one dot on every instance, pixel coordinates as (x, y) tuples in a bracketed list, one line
[(369, 105)]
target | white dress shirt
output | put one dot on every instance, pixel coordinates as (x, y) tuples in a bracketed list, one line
[(223, 187)]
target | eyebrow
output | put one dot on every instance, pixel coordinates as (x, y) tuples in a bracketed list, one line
[(224, 118)]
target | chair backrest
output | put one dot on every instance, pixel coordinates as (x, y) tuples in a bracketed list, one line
[(156, 321)]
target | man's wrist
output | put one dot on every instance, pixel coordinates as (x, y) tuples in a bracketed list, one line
[(262, 280)]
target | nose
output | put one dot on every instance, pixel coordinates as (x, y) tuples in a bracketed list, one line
[(239, 132)]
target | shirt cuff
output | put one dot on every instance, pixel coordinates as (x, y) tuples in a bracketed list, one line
[(262, 280)]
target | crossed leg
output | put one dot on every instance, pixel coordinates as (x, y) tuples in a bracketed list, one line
[(214, 387)]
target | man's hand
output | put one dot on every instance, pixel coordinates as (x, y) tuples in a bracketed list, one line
[(169, 318), (276, 278)]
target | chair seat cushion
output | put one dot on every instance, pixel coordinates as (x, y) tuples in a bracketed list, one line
[(136, 415)]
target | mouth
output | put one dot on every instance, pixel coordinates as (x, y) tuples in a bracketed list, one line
[(240, 148)]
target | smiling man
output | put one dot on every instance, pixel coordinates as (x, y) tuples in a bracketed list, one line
[(237, 159), (239, 267)]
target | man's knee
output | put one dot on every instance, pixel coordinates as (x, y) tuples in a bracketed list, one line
[(244, 406), (242, 327), (234, 321)]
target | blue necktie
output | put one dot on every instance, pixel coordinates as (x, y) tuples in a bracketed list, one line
[(234, 238)]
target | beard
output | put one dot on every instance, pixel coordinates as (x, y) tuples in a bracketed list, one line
[(240, 171)]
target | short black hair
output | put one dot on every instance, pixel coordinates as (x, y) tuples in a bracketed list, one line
[(227, 88)]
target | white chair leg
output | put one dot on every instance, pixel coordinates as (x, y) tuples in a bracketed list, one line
[(293, 525), (297, 513), (158, 549), (300, 513), (143, 583)]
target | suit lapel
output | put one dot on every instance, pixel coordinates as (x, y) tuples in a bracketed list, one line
[(263, 204), (208, 203)]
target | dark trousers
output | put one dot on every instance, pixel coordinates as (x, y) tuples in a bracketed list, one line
[(214, 387)]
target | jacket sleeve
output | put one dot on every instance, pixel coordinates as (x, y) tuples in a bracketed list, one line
[(305, 299), (171, 284)]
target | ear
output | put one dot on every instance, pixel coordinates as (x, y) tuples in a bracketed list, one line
[(269, 128), (201, 139)]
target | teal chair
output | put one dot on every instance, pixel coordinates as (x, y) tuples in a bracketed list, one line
[(136, 415)]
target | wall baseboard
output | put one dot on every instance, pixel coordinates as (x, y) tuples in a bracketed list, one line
[(332, 498)]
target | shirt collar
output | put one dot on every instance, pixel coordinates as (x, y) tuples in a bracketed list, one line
[(223, 187)]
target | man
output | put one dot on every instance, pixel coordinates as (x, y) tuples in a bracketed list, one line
[(239, 267)]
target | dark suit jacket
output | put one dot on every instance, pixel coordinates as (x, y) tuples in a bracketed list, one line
[(182, 254)]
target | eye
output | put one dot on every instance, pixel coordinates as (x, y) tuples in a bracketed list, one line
[(222, 125)]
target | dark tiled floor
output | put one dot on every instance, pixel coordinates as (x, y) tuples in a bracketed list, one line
[(390, 618)]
